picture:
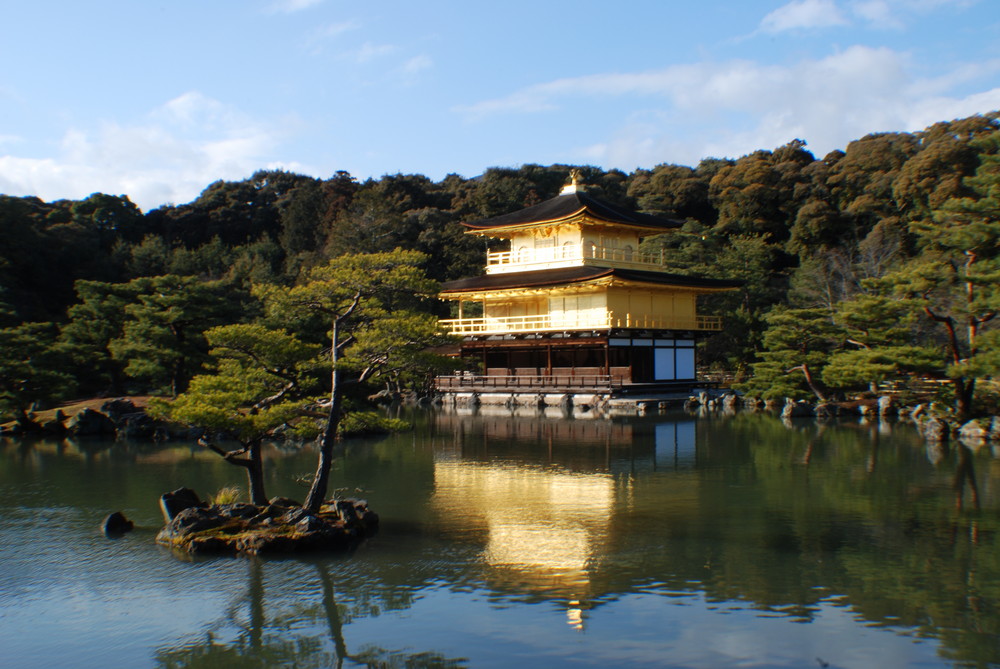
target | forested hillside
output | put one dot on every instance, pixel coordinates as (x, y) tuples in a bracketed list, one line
[(867, 265)]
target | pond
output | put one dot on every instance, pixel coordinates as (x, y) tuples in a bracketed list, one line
[(527, 540)]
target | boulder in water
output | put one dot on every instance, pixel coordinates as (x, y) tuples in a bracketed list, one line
[(116, 524), (90, 423), (172, 503), (793, 409), (936, 430)]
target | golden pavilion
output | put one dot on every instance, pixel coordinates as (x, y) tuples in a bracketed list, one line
[(573, 305)]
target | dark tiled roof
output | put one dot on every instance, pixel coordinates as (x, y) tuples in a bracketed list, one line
[(572, 203), (676, 279), (554, 277)]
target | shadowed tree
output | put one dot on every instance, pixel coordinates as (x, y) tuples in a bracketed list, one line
[(162, 339), (956, 279), (879, 333), (260, 382), (797, 346), (31, 370), (369, 306), (96, 321), (673, 191)]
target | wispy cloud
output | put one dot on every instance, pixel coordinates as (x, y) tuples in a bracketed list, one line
[(410, 72), (877, 14), (292, 6), (338, 29), (169, 156), (692, 111), (317, 40), (800, 14), (370, 51), (417, 64)]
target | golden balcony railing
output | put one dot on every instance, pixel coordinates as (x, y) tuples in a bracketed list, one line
[(568, 256), (567, 322)]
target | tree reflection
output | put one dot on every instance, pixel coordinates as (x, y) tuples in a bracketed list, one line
[(889, 541), (873, 435), (583, 517), (290, 632), (843, 515), (965, 474)]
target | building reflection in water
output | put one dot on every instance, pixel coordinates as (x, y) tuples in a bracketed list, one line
[(541, 494), (675, 444)]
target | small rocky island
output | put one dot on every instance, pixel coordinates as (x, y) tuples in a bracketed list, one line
[(283, 526)]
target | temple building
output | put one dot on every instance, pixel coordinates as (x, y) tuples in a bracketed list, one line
[(573, 305)]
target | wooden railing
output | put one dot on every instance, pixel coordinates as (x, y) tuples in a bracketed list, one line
[(541, 382), (561, 256), (567, 322)]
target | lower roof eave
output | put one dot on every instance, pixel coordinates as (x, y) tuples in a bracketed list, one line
[(569, 337)]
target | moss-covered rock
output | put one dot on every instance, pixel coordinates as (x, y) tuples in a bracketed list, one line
[(271, 529)]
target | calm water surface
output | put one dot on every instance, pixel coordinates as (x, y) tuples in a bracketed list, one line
[(527, 541)]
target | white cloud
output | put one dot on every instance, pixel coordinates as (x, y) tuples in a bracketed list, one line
[(317, 39), (370, 51), (292, 6), (876, 12), (171, 156), (965, 74), (803, 14), (417, 64), (894, 14), (687, 112), (931, 110), (410, 71), (337, 29)]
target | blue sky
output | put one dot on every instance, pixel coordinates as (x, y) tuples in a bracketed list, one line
[(158, 99)]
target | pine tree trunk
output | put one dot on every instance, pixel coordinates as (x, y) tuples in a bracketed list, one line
[(817, 387), (255, 475), (321, 479), (964, 392)]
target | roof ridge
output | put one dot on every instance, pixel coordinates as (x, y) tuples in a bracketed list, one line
[(568, 205)]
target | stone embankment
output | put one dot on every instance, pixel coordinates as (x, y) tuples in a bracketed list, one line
[(114, 419), (512, 400), (280, 527), (934, 424)]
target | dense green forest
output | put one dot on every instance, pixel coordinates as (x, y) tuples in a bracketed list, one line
[(871, 265)]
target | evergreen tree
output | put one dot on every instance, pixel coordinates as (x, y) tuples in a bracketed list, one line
[(94, 322), (368, 306), (30, 370), (261, 381), (797, 346), (879, 336), (956, 278), (162, 340)]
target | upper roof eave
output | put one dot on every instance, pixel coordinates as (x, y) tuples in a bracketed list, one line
[(580, 274), (565, 207)]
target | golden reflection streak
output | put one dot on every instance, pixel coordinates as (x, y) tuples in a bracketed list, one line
[(541, 526)]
